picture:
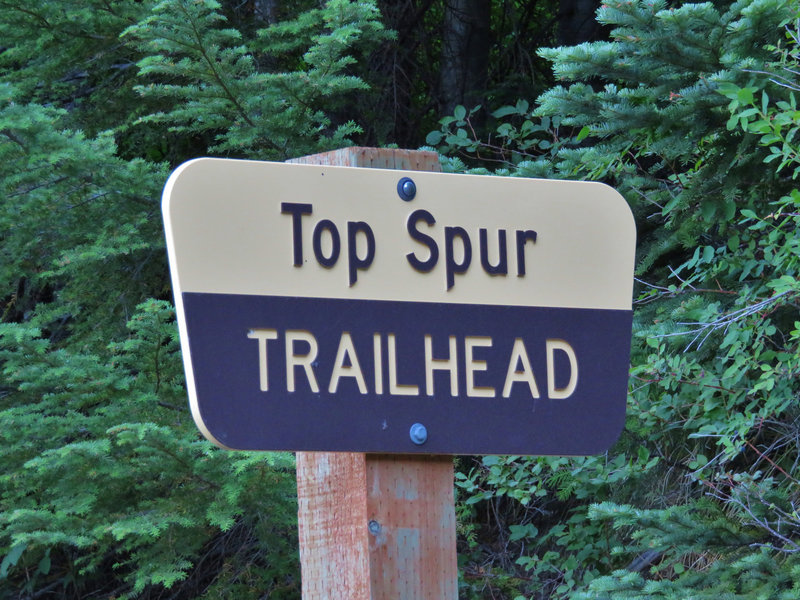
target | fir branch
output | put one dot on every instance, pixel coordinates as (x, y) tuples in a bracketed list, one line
[(26, 11), (200, 47), (15, 138)]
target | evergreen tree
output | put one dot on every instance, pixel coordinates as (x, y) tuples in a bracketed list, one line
[(680, 110), (216, 87), (69, 55), (106, 487), (102, 468)]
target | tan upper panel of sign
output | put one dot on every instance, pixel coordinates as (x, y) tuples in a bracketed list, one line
[(228, 233)]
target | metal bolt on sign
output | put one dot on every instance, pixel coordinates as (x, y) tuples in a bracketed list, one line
[(406, 189), (419, 434)]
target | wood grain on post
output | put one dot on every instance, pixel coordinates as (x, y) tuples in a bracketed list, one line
[(376, 526)]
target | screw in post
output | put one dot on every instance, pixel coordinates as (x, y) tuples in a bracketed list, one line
[(418, 434), (374, 527), (406, 189)]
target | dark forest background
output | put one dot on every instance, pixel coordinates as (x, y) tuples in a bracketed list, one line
[(688, 109)]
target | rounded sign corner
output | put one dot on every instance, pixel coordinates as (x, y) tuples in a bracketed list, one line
[(203, 427), (619, 200), (177, 171), (611, 434), (173, 178)]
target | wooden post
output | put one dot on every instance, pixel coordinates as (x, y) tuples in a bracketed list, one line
[(376, 526)]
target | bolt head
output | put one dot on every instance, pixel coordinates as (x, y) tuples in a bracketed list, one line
[(418, 434), (406, 189)]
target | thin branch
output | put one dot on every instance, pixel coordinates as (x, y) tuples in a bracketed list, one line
[(724, 321)]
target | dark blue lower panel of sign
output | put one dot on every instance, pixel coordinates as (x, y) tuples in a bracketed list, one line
[(359, 375)]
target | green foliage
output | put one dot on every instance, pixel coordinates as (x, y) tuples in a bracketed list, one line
[(103, 468), (69, 54), (521, 143), (212, 84), (74, 213), (690, 111), (106, 488)]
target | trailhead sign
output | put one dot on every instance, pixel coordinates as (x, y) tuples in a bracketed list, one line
[(330, 308)]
